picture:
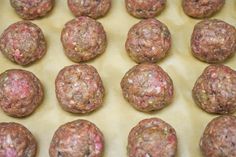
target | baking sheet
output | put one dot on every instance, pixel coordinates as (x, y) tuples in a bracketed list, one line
[(117, 117)]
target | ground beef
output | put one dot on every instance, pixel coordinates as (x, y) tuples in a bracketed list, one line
[(152, 138), (20, 92), (23, 43), (79, 138), (215, 90), (145, 8), (79, 88), (16, 141), (147, 87), (202, 8), (32, 9), (83, 39), (148, 41), (219, 138), (213, 41), (92, 8)]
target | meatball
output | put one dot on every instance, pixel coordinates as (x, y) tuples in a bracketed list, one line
[(16, 141), (21, 92), (145, 8), (147, 87), (92, 8), (79, 138), (79, 88), (83, 39), (32, 9), (202, 8), (215, 90), (213, 41), (152, 138), (219, 138), (148, 41), (23, 43)]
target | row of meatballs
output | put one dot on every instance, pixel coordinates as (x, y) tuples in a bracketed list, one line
[(147, 87), (149, 138), (33, 9), (83, 39)]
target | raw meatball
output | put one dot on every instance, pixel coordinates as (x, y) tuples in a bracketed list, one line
[(92, 8), (145, 8), (20, 92), (202, 8), (79, 88), (23, 43), (147, 87), (79, 138), (83, 39), (152, 138), (213, 41), (16, 141), (219, 138), (32, 9), (148, 41), (215, 90)]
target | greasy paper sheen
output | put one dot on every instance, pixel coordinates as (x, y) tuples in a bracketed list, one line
[(117, 117)]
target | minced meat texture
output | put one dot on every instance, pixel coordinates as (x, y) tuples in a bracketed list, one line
[(148, 41), (21, 92), (83, 39), (147, 87), (215, 90), (152, 138), (23, 43), (219, 138), (91, 8), (79, 138), (16, 141), (202, 8), (32, 9), (79, 88), (213, 41), (145, 8)]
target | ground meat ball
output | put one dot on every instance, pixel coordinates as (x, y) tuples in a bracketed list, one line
[(148, 41), (152, 138), (213, 41), (79, 88), (20, 92), (145, 8), (147, 87), (215, 90), (32, 9), (202, 8), (219, 138), (91, 8), (16, 141), (83, 39), (23, 43), (79, 138)]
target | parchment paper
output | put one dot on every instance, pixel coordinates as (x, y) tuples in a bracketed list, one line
[(117, 117)]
